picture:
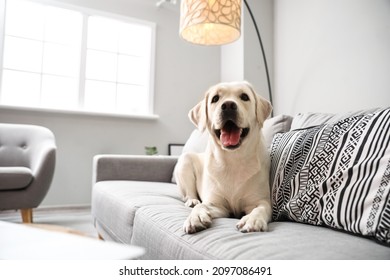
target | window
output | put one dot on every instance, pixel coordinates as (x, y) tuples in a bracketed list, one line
[(67, 59)]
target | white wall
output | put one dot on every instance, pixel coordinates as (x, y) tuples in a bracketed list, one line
[(254, 67), (243, 59), (232, 61), (183, 73), (331, 55)]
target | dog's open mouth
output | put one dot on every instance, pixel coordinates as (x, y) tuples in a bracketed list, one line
[(231, 135)]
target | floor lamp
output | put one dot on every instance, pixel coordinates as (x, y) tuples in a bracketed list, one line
[(216, 22)]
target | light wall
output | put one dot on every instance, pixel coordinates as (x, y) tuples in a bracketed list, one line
[(254, 67), (331, 55), (243, 60), (183, 72)]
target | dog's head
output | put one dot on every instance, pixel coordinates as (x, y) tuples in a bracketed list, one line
[(230, 112)]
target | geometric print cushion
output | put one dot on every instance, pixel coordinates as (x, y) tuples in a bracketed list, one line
[(335, 175)]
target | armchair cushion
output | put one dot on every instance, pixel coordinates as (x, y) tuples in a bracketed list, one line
[(15, 177)]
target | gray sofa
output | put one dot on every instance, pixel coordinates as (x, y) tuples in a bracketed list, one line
[(135, 201)]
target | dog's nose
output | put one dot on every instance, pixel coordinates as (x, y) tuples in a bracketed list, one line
[(229, 105)]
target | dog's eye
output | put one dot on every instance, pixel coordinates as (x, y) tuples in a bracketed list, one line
[(215, 99), (244, 97)]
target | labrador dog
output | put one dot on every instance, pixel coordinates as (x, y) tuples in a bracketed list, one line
[(231, 179)]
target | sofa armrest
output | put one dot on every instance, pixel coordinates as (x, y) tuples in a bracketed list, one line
[(135, 168)]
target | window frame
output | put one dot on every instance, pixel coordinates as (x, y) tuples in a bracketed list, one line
[(86, 13)]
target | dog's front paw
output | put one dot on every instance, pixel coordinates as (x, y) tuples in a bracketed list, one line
[(198, 220), (191, 202), (249, 223)]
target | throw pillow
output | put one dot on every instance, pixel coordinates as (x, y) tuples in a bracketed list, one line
[(196, 143), (336, 175), (277, 124)]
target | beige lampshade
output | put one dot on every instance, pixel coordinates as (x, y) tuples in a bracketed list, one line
[(210, 22)]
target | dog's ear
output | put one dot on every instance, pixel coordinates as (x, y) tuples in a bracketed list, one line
[(198, 115), (263, 107)]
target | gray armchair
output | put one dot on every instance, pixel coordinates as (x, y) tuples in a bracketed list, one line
[(27, 162)]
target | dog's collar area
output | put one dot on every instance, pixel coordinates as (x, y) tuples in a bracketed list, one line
[(230, 135)]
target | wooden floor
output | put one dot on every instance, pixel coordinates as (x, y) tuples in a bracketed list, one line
[(73, 217)]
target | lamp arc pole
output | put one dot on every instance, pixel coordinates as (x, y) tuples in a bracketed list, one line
[(262, 50)]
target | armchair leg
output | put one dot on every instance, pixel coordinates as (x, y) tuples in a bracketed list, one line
[(27, 215)]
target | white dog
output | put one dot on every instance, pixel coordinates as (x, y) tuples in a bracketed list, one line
[(232, 177)]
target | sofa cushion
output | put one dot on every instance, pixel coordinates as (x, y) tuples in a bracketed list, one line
[(114, 203), (197, 142), (336, 174), (159, 229), (304, 120), (14, 178), (272, 126)]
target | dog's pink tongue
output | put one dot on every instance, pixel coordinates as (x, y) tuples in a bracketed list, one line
[(230, 137)]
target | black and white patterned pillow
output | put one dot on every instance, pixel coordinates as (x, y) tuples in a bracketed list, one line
[(336, 175)]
